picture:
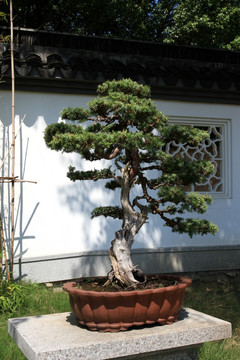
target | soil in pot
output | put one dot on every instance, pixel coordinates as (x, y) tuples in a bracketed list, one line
[(98, 284)]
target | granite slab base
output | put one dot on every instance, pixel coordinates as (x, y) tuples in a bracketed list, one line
[(59, 337)]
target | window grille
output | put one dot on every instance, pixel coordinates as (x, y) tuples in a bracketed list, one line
[(215, 149)]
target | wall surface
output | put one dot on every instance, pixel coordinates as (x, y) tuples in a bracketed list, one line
[(53, 216)]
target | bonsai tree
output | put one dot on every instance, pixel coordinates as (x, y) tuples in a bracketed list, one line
[(126, 129)]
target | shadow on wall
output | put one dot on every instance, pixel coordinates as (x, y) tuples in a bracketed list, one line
[(81, 197), (38, 104), (19, 225), (158, 261), (97, 264), (150, 262)]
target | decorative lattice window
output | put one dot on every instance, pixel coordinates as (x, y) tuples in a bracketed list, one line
[(215, 149)]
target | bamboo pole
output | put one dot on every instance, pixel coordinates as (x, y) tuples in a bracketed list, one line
[(4, 179), (10, 148), (13, 143), (3, 250)]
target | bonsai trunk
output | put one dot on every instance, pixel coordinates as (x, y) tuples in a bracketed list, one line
[(123, 269)]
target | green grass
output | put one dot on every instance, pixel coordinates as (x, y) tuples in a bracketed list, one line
[(221, 300), (217, 299), (38, 300)]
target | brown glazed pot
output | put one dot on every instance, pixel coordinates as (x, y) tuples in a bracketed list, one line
[(117, 311)]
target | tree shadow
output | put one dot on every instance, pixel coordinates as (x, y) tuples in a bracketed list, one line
[(19, 226), (82, 197)]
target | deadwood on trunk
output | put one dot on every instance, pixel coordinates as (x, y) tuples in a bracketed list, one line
[(123, 269)]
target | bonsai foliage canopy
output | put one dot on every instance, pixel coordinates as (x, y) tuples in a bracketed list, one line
[(125, 127)]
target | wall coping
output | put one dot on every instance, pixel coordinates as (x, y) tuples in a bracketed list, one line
[(68, 63)]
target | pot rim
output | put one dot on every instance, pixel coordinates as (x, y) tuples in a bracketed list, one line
[(184, 282)]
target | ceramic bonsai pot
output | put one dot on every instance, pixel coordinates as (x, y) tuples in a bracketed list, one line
[(117, 311)]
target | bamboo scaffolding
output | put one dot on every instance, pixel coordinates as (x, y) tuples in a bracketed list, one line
[(13, 143), (11, 179), (1, 251)]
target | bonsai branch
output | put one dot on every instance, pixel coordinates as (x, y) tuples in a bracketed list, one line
[(109, 156)]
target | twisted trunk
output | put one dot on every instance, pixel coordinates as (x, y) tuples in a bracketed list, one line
[(123, 269)]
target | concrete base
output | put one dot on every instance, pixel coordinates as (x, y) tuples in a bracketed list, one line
[(58, 336)]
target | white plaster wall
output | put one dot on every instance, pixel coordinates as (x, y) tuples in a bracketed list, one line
[(53, 216)]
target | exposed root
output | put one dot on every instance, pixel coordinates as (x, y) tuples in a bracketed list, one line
[(140, 280), (111, 281), (108, 282)]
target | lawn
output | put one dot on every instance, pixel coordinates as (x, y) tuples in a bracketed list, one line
[(217, 298)]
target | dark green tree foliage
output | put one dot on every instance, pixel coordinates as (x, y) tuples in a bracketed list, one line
[(206, 23), (132, 19), (128, 130), (3, 19)]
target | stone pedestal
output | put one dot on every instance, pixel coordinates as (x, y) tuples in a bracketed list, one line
[(59, 337)]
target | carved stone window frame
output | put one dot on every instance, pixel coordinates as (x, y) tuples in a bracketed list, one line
[(226, 157)]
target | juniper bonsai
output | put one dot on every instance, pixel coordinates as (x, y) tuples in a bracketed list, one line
[(128, 130)]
